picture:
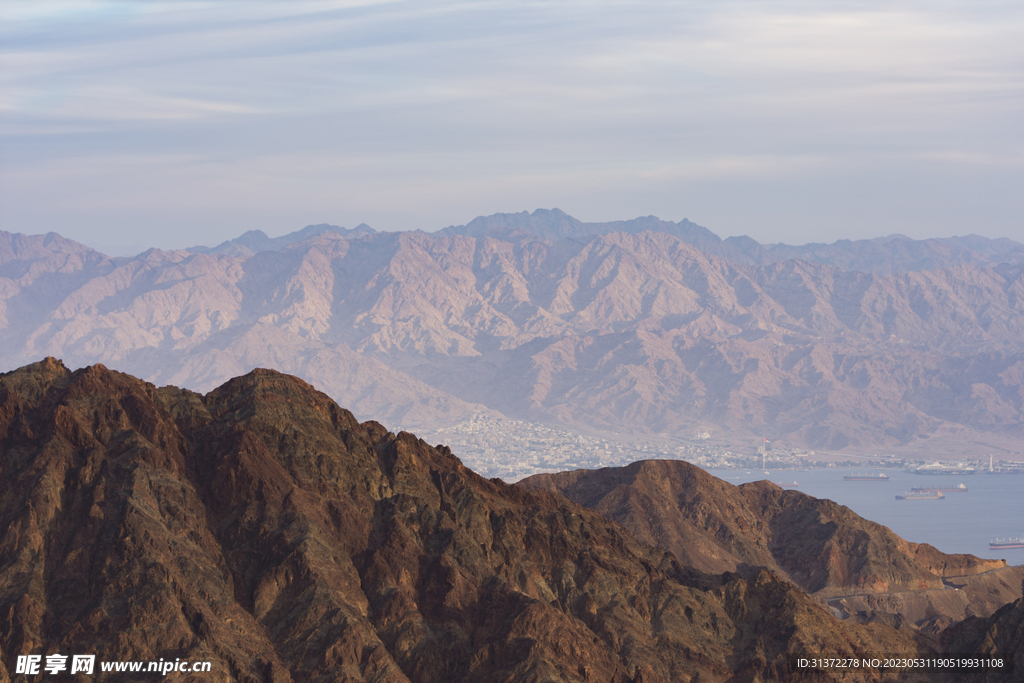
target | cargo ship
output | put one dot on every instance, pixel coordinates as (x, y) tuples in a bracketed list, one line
[(924, 495), (1002, 544), (945, 489), (788, 484), (866, 477)]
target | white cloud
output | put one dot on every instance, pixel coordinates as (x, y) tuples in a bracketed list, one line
[(434, 103)]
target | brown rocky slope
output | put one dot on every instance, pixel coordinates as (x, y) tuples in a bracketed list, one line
[(999, 636), (262, 528), (823, 547)]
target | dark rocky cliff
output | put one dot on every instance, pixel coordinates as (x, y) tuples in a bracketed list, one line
[(263, 528)]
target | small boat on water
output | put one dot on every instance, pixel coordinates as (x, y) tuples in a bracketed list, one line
[(788, 484), (866, 477), (944, 489), (922, 495), (1003, 543)]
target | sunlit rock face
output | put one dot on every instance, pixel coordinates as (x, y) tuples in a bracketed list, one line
[(649, 329)]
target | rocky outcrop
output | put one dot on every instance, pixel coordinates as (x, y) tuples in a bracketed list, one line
[(263, 528), (825, 548), (998, 637), (934, 610)]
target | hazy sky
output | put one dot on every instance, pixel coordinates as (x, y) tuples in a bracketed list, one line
[(142, 123)]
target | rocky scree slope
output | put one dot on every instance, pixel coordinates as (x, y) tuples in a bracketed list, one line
[(261, 527)]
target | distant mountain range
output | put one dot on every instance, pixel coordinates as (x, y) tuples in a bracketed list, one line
[(892, 254), (638, 326), (255, 241)]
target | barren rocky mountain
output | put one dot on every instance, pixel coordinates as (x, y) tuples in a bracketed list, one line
[(892, 254), (1000, 635), (862, 568), (631, 331), (262, 528)]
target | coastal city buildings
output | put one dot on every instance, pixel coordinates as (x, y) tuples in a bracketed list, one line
[(514, 449)]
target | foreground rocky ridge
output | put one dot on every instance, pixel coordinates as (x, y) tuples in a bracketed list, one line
[(862, 568), (263, 528), (629, 331), (999, 635)]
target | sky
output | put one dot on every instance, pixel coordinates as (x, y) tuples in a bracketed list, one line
[(126, 125)]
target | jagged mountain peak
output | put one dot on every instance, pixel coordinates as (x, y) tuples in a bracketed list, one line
[(555, 224), (427, 329), (260, 527)]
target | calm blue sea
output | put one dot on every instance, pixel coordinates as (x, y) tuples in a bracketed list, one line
[(963, 522)]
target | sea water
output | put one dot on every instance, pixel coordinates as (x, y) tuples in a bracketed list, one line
[(962, 522)]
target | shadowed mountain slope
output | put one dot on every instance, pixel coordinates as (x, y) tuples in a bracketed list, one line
[(999, 636), (823, 547), (262, 528)]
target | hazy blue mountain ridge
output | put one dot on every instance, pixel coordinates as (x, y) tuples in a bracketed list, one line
[(889, 254), (629, 332), (256, 241)]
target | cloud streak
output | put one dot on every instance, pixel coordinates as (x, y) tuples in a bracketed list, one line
[(634, 108)]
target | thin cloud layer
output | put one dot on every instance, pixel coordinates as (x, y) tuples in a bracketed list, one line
[(788, 121)]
